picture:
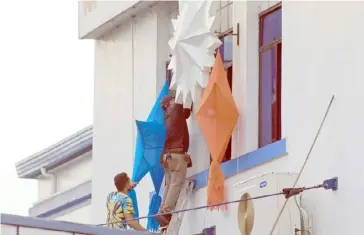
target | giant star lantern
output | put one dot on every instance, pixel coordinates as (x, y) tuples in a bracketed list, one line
[(193, 47)]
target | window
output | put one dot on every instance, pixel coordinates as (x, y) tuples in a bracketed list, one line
[(270, 63)]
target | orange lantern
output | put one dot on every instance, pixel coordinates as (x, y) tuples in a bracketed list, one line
[(217, 116)]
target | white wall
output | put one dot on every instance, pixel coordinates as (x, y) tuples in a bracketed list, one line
[(127, 82), (67, 176), (265, 210), (322, 56), (80, 215)]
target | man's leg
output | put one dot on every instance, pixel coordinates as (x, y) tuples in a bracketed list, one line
[(167, 183), (178, 170)]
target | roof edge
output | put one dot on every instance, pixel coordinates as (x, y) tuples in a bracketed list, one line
[(57, 154)]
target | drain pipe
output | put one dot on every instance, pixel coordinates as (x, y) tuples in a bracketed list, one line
[(54, 179)]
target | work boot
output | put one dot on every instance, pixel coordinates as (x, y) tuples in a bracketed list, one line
[(168, 217)]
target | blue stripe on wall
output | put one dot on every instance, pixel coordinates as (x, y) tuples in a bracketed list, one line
[(65, 206), (244, 162)]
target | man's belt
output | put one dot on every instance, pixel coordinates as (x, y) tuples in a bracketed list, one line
[(176, 151), (180, 151)]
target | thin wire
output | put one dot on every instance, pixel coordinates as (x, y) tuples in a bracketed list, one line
[(196, 208), (305, 162), (208, 206)]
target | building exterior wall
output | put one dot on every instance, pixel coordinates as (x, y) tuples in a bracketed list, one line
[(81, 215), (320, 51), (322, 56), (317, 49), (63, 202), (67, 176), (72, 199), (93, 14), (127, 82)]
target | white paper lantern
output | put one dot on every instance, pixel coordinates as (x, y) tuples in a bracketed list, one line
[(193, 47)]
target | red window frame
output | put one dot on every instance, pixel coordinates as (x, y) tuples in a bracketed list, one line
[(270, 122)]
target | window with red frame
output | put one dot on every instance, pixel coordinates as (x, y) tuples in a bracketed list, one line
[(270, 69)]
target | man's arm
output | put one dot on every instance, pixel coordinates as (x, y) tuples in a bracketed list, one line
[(128, 211), (133, 223), (187, 112)]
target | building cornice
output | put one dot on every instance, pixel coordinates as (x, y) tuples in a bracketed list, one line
[(106, 15), (56, 155)]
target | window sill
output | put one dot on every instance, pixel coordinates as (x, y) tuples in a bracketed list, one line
[(244, 162)]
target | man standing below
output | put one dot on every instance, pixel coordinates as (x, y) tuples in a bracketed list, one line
[(174, 158), (120, 209)]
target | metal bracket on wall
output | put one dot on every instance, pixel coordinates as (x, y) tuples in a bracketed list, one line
[(230, 32), (208, 231), (332, 184), (237, 34)]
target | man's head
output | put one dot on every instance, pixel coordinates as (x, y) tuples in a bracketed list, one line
[(122, 182)]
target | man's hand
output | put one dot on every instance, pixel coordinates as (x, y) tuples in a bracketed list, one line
[(134, 184), (133, 223)]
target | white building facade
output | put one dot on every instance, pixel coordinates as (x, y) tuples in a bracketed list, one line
[(278, 119), (282, 93)]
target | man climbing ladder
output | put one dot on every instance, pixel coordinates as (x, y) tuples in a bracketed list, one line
[(174, 158)]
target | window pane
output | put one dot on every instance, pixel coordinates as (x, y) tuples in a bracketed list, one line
[(276, 109), (267, 95), (272, 27), (226, 49)]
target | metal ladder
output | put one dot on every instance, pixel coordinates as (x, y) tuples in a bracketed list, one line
[(176, 220)]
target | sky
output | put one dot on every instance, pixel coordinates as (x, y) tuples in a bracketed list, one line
[(46, 88)]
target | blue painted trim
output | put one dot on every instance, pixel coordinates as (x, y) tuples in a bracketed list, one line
[(65, 206), (244, 162)]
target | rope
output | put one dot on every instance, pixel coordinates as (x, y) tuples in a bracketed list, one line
[(304, 163), (287, 192)]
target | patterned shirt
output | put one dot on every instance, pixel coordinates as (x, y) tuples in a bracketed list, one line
[(118, 205)]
